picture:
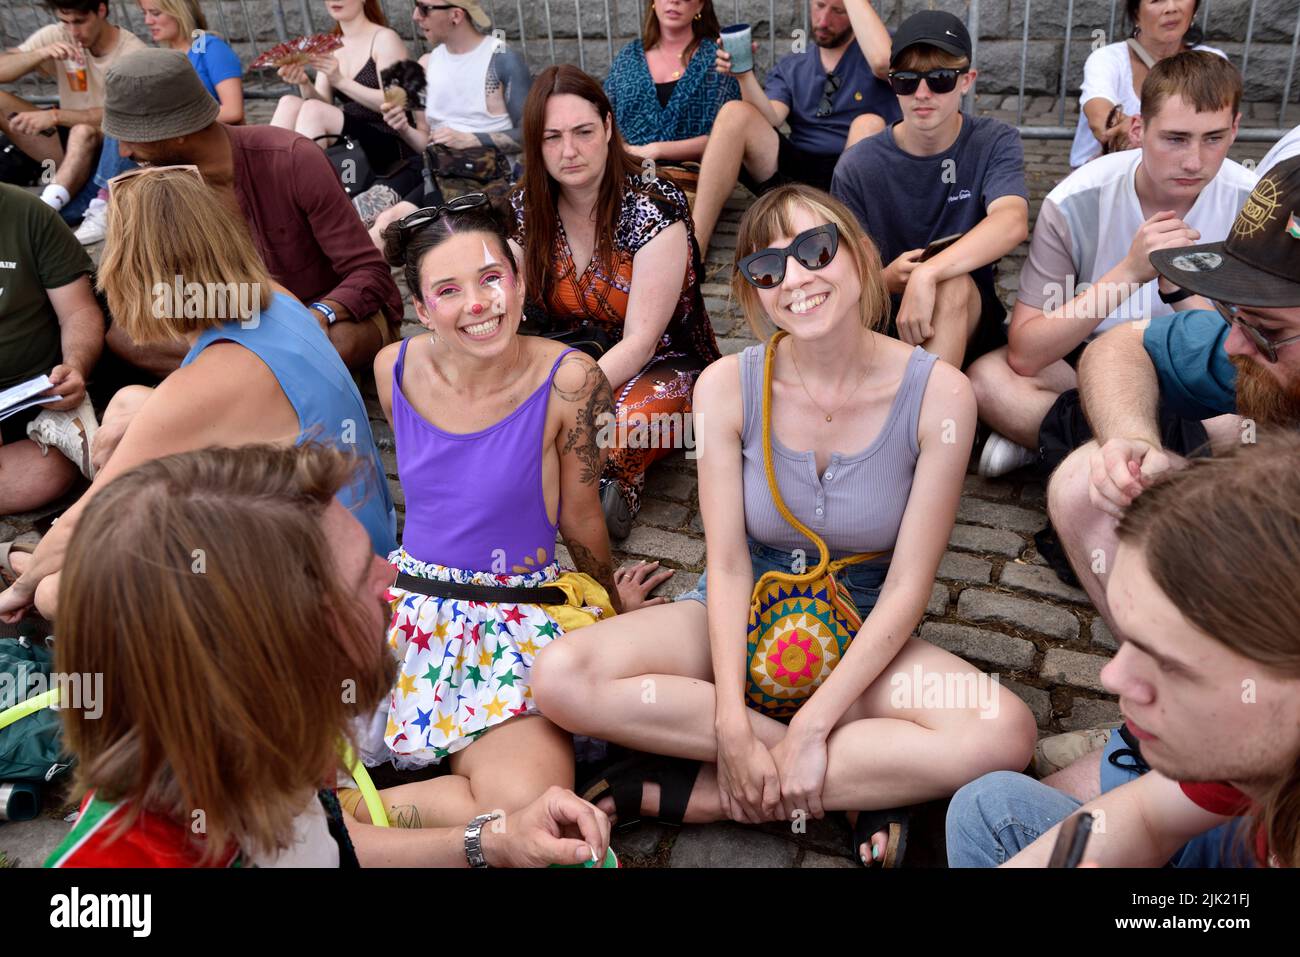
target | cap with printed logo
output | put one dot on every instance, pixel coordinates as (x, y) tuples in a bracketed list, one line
[(932, 28), (1259, 263)]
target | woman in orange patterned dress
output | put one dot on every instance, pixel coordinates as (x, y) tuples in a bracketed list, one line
[(610, 256)]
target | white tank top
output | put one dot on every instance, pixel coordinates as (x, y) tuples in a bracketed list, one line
[(457, 91)]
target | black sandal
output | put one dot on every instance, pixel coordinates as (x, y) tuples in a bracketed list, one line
[(893, 821), (625, 780)]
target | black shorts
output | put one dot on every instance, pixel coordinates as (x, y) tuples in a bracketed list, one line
[(794, 165), (1065, 428), (990, 332)]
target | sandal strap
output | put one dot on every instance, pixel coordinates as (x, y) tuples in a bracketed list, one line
[(626, 793), (676, 782)]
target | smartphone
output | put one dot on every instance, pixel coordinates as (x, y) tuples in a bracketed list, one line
[(939, 245), (1071, 842)]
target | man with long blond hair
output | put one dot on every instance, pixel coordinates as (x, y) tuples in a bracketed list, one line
[(1208, 677), (202, 556)]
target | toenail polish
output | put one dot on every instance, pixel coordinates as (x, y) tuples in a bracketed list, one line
[(875, 852)]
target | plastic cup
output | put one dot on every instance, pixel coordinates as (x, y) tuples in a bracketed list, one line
[(610, 861), (737, 40)]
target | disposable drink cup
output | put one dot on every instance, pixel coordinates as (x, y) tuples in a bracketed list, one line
[(736, 40)]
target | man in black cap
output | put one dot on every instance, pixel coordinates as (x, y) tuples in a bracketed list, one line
[(937, 174), (830, 94), (301, 221), (1242, 358)]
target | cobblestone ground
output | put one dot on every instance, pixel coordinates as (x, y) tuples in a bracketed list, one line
[(995, 603)]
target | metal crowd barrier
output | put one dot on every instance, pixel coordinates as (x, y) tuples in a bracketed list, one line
[(225, 14)]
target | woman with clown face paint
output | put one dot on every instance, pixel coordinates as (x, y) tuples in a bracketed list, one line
[(498, 446)]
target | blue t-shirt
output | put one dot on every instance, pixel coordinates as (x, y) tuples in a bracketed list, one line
[(1197, 379), (288, 338), (799, 81), (906, 202), (214, 61)]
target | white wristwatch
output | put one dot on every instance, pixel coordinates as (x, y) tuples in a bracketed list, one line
[(474, 839)]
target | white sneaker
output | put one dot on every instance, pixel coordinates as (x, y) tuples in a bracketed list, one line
[(1001, 456), (94, 225), (69, 432)]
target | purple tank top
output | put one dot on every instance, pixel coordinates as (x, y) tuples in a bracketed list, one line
[(474, 500)]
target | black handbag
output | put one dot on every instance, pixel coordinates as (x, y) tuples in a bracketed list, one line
[(350, 163), (590, 339)]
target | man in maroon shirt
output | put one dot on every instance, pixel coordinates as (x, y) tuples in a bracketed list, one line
[(301, 220)]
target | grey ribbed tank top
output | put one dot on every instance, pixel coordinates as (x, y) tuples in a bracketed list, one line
[(857, 503)]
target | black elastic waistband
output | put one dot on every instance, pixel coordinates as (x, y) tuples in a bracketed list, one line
[(436, 588)]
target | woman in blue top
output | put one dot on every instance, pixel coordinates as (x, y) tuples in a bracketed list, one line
[(663, 86), (260, 368), (180, 25)]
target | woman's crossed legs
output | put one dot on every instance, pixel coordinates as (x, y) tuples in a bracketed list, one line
[(645, 681)]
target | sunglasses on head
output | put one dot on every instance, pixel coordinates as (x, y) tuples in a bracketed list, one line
[(427, 215), (906, 82), (146, 170), (814, 248)]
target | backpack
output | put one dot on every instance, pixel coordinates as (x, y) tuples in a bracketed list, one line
[(31, 748)]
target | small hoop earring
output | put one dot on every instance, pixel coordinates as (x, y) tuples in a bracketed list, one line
[(698, 16)]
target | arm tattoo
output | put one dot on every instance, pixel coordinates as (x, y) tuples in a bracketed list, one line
[(603, 571), (595, 414), (406, 815)]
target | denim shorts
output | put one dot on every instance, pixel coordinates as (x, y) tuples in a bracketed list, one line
[(862, 581)]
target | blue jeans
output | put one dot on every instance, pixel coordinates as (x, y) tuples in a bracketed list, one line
[(995, 817), (862, 581), (111, 163)]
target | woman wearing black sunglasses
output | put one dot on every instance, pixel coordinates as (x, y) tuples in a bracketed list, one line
[(870, 439)]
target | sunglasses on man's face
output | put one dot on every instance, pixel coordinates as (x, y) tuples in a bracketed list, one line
[(813, 248), (427, 215), (1267, 347), (906, 82), (424, 9)]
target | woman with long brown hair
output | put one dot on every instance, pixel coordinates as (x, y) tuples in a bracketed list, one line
[(610, 256), (663, 86), (234, 611), (349, 75)]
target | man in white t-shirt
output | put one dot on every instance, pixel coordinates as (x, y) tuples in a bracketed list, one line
[(474, 108), (77, 51), (1089, 268)]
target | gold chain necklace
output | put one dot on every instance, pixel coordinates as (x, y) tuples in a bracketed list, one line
[(810, 395)]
